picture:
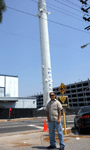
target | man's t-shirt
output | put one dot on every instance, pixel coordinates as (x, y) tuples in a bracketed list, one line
[(53, 107)]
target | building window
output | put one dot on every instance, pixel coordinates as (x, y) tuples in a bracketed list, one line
[(79, 85), (2, 91), (85, 84)]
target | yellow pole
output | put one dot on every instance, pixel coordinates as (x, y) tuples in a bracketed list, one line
[(65, 132)]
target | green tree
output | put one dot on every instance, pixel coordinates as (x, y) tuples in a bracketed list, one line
[(2, 9)]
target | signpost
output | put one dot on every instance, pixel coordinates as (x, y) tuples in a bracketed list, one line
[(65, 103)]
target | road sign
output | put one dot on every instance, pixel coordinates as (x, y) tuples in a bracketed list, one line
[(64, 100), (62, 88)]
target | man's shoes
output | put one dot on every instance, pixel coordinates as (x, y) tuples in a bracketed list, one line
[(61, 148), (49, 147)]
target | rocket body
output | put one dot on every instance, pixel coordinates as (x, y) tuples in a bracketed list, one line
[(45, 51)]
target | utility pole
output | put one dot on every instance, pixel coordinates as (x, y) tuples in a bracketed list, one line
[(85, 9), (45, 51)]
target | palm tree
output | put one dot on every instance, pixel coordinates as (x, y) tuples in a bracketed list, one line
[(2, 9)]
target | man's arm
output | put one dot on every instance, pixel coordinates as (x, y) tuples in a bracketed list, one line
[(59, 117), (47, 114)]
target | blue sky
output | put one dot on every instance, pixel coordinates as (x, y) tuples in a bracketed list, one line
[(20, 52)]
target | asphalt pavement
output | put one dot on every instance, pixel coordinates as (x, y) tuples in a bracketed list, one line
[(39, 139)]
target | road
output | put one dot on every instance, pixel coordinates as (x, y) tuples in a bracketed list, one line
[(25, 125), (26, 134)]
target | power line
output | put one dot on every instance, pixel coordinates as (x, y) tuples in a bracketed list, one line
[(44, 42), (20, 11), (73, 3), (63, 9), (68, 6), (66, 13), (50, 20), (62, 12), (17, 35), (67, 26), (64, 4), (57, 7), (84, 3)]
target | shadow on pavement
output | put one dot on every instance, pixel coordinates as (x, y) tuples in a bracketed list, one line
[(84, 131), (74, 130), (42, 147)]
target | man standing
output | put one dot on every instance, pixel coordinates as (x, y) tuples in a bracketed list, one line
[(53, 110)]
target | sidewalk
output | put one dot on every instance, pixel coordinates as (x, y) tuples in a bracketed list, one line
[(27, 140), (37, 139)]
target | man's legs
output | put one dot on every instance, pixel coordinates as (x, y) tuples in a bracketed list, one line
[(51, 126), (60, 134)]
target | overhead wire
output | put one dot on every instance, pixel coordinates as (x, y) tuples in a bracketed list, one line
[(57, 7), (72, 3), (42, 18), (87, 3), (68, 6), (76, 4), (49, 20), (20, 11), (65, 5), (63, 12), (63, 9), (44, 42)]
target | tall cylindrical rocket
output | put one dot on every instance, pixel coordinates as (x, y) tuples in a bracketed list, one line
[(45, 51)]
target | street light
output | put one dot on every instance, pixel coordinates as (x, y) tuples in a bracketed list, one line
[(85, 95), (84, 45)]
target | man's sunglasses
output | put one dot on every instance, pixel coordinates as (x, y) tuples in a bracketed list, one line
[(52, 95)]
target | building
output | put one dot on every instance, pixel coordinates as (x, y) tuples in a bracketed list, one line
[(8, 86), (21, 106), (78, 93), (18, 102), (9, 94)]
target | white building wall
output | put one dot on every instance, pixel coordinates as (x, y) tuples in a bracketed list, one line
[(11, 87), (20, 103), (2, 81), (26, 103), (2, 86), (8, 86)]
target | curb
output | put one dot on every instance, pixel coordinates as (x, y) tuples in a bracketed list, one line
[(20, 119)]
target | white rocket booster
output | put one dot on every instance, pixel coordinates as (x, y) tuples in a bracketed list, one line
[(45, 51)]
